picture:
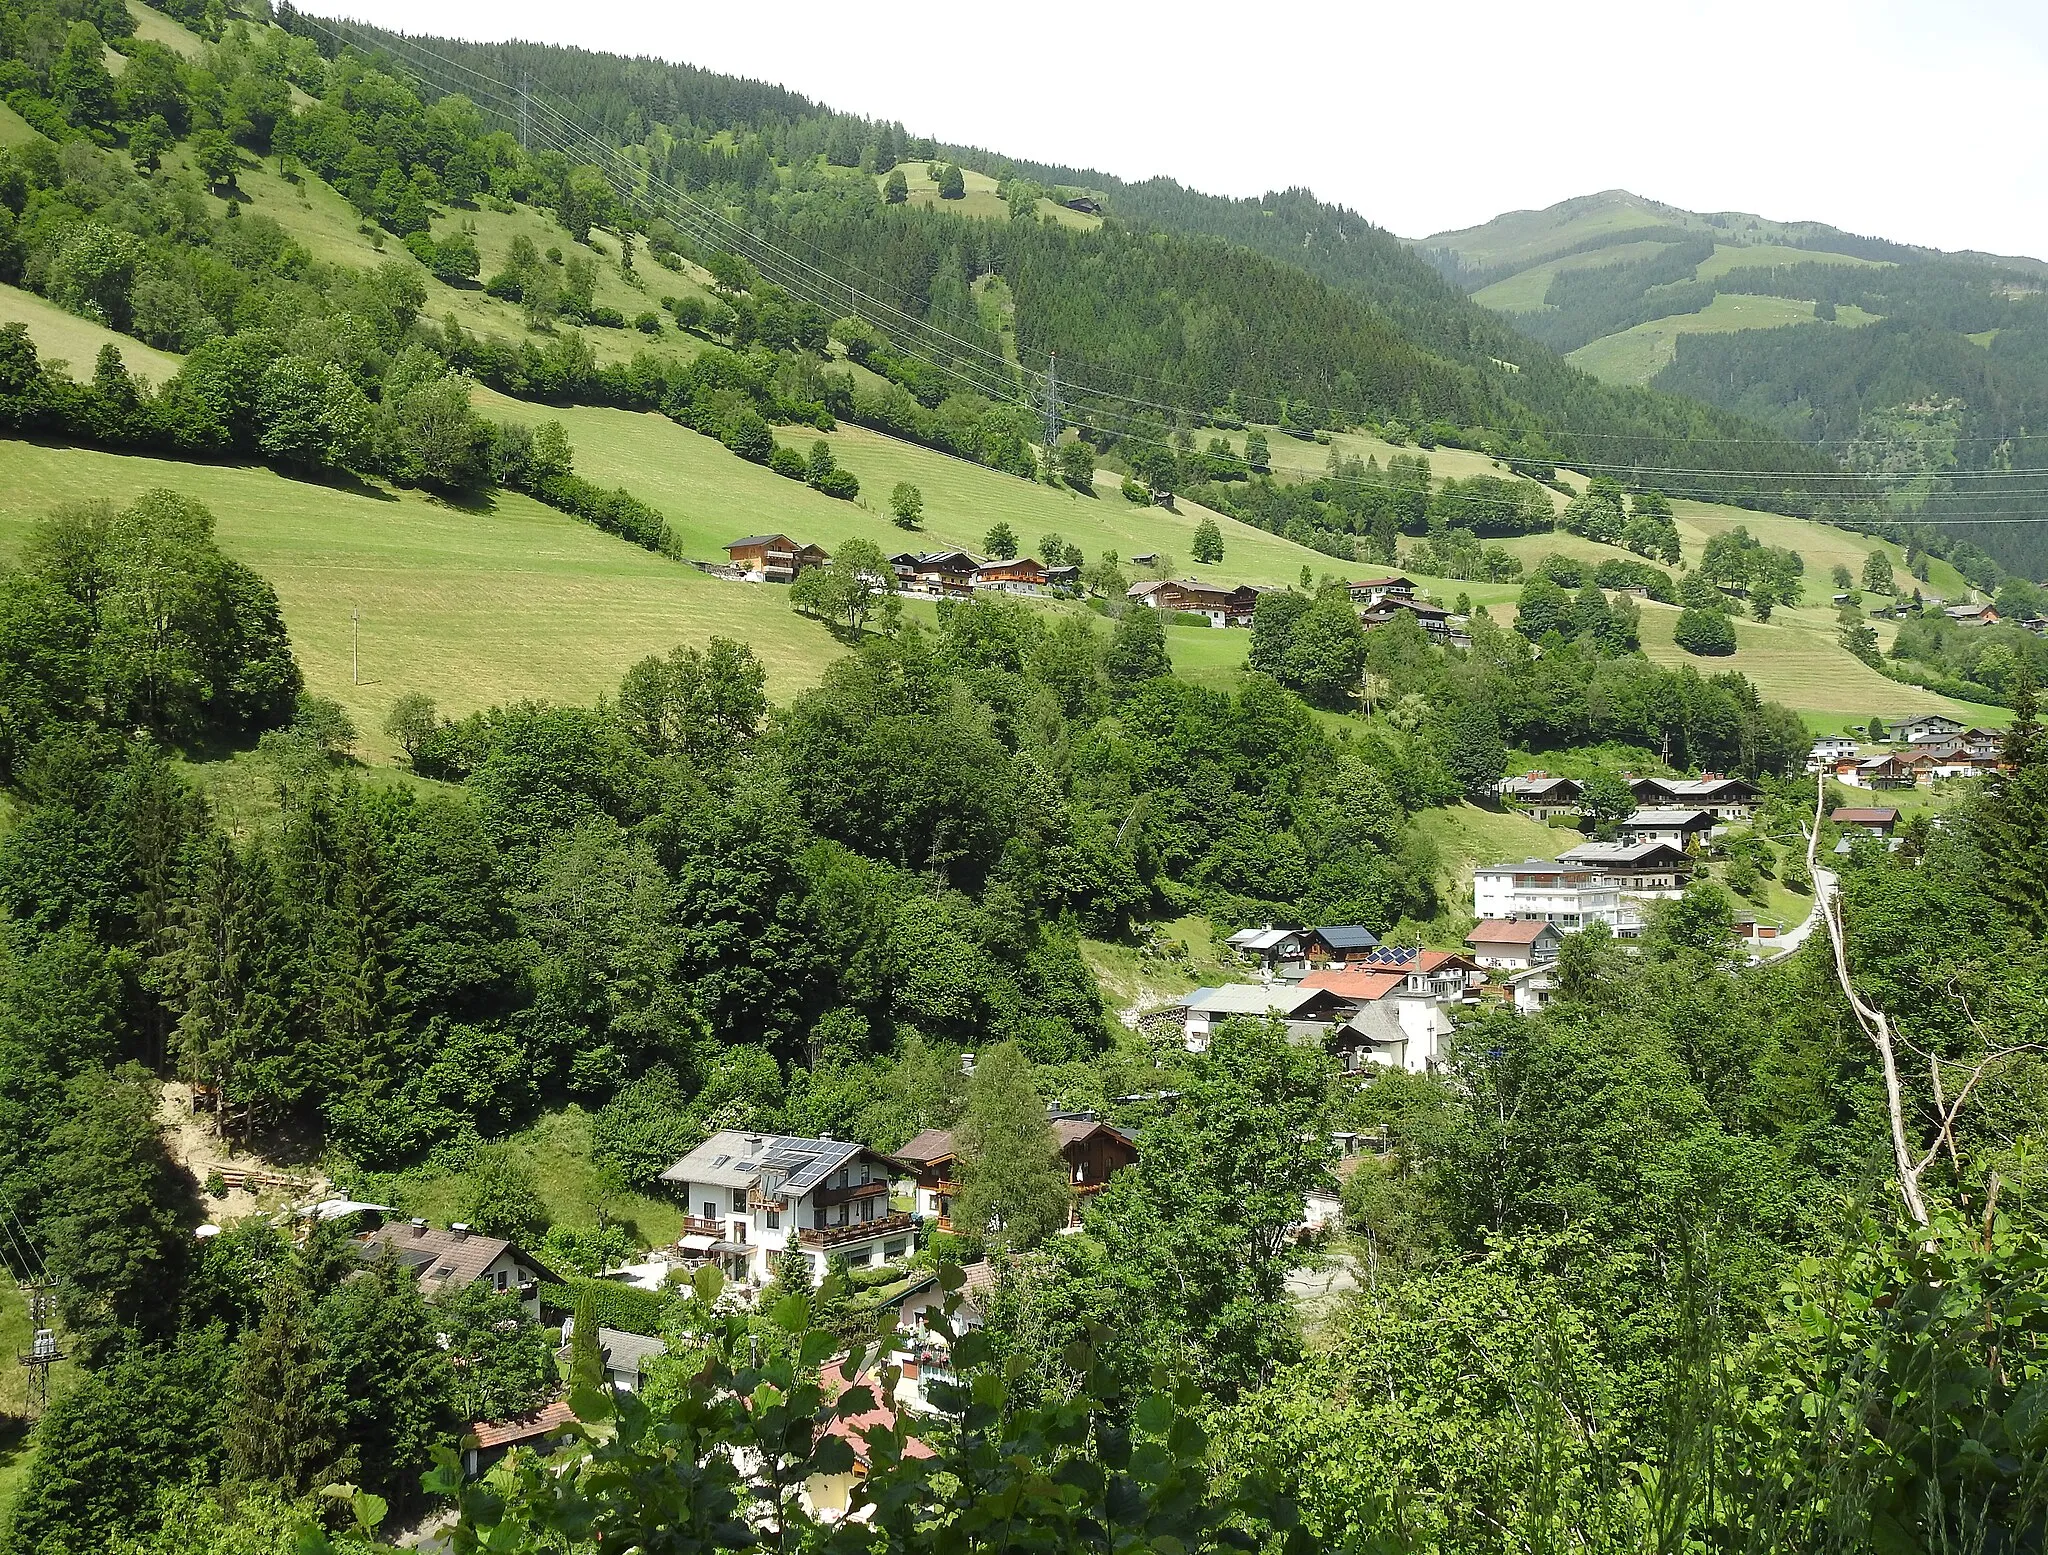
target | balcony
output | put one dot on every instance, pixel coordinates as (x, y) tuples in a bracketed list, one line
[(855, 1231), (697, 1225), (862, 1190)]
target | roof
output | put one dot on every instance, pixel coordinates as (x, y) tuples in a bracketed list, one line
[(1854, 815), (1361, 986), (1922, 720), (1345, 936), (1685, 819), (441, 1260), (977, 1278), (1381, 583), (1261, 939), (628, 1352), (1622, 855), (1014, 561), (1696, 788), (531, 1426), (1526, 866), (1251, 999), (731, 1159), (1507, 931), (854, 1428), (1071, 1131), (932, 1144), (734, 545), (1375, 1025), (934, 558), (1537, 783), (1148, 586)]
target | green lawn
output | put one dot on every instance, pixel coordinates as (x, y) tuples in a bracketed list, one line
[(1185, 955), (1467, 837), (1758, 256), (1792, 662), (154, 26), (473, 607), (556, 1149), (1523, 292), (65, 337), (1637, 354), (981, 198), (711, 497)]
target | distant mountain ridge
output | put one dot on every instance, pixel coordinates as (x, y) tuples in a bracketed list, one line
[(1925, 372), (1515, 240)]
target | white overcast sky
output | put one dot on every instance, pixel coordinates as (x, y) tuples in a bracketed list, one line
[(1921, 122)]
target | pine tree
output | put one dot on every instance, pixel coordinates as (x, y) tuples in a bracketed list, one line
[(2010, 823), (586, 1354), (281, 1427)]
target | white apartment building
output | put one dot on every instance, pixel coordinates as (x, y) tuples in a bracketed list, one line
[(751, 1196), (1569, 896)]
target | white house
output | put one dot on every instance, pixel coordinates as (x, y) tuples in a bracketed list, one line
[(1828, 750), (1928, 728), (1405, 1001), (1308, 1011), (1531, 988), (1279, 952), (751, 1196), (1570, 896), (1514, 942), (449, 1260), (1640, 869), (1680, 828)]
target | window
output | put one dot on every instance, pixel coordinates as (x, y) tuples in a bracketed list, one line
[(710, 1210), (500, 1278), (775, 1220), (739, 1201)]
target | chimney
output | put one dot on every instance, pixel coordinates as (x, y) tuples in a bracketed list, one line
[(753, 1146), (419, 1227), (461, 1230)]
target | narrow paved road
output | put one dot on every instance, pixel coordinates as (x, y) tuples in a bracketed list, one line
[(1825, 883)]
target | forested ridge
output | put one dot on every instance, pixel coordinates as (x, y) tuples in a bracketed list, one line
[(1933, 400)]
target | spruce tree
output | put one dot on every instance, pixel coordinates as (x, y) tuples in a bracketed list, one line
[(281, 1427), (2010, 823)]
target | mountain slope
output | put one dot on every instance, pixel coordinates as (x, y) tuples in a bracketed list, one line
[(1924, 373)]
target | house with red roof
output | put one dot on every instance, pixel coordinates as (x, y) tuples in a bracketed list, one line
[(1514, 943)]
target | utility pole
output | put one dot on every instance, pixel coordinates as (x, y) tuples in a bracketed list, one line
[(42, 1351), (355, 638), (1052, 413)]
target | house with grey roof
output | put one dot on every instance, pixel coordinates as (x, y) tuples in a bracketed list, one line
[(1307, 1012), (1680, 828), (448, 1260), (752, 1196)]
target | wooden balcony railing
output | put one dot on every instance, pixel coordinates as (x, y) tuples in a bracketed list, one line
[(854, 1231), (698, 1225)]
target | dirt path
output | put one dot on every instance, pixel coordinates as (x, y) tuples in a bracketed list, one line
[(194, 1145)]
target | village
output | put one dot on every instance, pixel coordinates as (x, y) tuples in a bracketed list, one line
[(958, 575)]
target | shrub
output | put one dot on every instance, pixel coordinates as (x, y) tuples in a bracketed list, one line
[(787, 461), (1708, 633), (607, 317), (648, 322), (1137, 491), (617, 1306), (843, 484)]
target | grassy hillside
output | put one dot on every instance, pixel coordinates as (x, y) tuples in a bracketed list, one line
[(472, 607), (65, 337), (711, 497), (1637, 354)]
